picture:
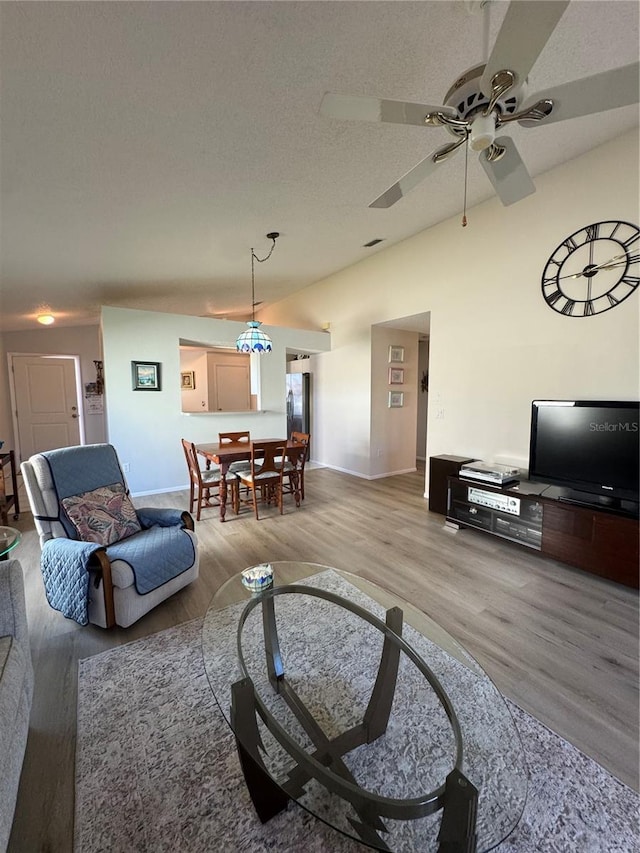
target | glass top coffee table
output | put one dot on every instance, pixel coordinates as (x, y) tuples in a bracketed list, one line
[(363, 710), (9, 538)]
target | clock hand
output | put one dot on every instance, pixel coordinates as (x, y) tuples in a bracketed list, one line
[(617, 261), (591, 265)]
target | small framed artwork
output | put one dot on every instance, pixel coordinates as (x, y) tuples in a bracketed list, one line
[(396, 376), (396, 354), (396, 399), (188, 380), (145, 375)]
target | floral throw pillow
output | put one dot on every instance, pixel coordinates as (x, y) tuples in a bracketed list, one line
[(105, 515)]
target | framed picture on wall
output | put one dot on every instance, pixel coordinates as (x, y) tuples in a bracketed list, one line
[(188, 380), (145, 375), (396, 399), (396, 354), (396, 376)]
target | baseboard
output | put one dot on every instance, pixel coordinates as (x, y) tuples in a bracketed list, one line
[(180, 488), (370, 476), (310, 466)]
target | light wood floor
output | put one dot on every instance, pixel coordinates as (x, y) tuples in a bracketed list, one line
[(562, 643)]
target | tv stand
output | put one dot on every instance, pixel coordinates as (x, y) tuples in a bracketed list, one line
[(601, 502), (600, 540)]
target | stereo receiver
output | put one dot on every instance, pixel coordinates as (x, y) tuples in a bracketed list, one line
[(503, 503)]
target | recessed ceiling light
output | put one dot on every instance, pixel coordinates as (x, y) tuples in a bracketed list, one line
[(46, 319), (373, 242)]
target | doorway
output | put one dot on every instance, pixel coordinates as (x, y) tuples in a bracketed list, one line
[(421, 325), (423, 397), (45, 393)]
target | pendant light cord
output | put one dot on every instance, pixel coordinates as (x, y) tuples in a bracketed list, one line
[(272, 236), (253, 285)]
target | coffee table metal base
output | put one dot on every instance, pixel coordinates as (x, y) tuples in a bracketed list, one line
[(267, 797), (458, 797)]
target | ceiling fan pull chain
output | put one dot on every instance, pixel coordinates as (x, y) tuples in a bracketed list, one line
[(466, 163)]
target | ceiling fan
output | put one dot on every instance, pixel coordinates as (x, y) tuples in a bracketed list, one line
[(488, 96)]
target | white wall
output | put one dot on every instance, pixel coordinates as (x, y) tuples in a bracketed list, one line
[(494, 344), (341, 406), (196, 399), (83, 341), (393, 431), (146, 426)]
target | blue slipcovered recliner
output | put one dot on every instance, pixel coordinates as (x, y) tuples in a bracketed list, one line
[(103, 561)]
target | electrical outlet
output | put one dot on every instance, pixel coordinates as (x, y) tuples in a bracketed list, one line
[(126, 467)]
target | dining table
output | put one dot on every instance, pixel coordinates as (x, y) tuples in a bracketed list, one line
[(224, 454)]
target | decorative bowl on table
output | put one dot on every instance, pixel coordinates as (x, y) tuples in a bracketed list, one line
[(257, 578)]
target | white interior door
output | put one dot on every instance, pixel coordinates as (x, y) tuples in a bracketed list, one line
[(46, 403), (229, 382), (232, 388)]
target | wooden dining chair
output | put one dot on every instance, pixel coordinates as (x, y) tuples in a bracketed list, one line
[(205, 485), (295, 462), (243, 440), (265, 475)]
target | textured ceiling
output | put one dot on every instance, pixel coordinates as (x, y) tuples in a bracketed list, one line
[(146, 147)]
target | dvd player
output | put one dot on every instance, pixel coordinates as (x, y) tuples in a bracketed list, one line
[(498, 475)]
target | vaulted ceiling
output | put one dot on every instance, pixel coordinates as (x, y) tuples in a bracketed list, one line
[(146, 147)]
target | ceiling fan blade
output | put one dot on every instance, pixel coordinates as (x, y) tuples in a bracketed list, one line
[(508, 175), (406, 183), (605, 91), (363, 108), (524, 32)]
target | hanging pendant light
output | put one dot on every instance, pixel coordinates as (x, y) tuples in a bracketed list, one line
[(254, 339)]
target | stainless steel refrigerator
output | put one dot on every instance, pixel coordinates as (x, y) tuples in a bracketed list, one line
[(297, 402)]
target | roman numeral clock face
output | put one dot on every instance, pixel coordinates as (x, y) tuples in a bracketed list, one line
[(593, 270)]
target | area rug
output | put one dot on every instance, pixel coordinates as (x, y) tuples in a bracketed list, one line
[(157, 770)]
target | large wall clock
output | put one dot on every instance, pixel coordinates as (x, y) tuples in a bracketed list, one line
[(593, 270)]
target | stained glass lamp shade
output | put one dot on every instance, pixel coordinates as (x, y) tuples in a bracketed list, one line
[(253, 339)]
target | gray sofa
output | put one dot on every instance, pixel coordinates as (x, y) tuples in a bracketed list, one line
[(16, 690)]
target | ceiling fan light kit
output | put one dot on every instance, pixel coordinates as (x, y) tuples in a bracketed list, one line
[(483, 132), (488, 96)]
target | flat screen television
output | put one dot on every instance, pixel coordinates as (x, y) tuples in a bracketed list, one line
[(591, 448)]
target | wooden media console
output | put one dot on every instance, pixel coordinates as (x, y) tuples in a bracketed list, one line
[(603, 541)]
